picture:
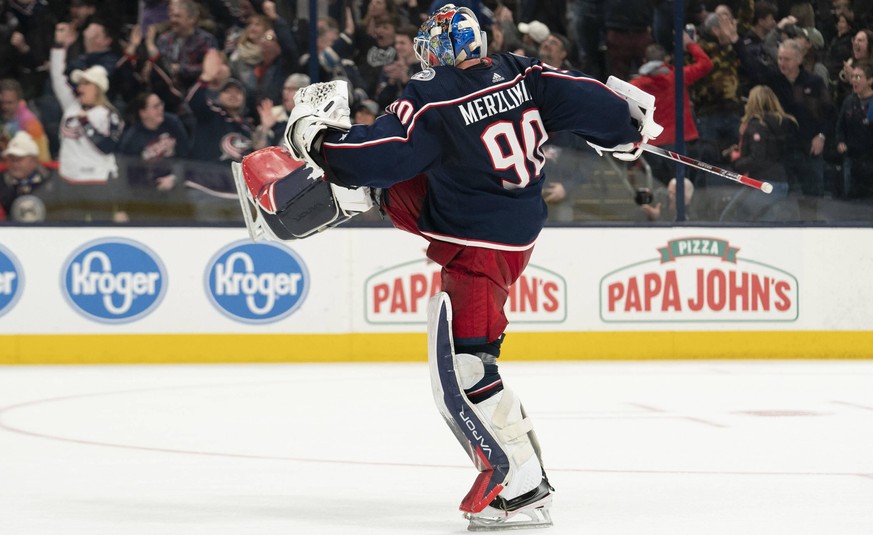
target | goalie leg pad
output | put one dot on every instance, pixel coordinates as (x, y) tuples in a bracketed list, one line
[(495, 431), (474, 435)]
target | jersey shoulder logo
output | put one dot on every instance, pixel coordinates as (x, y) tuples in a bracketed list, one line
[(424, 75), (496, 78)]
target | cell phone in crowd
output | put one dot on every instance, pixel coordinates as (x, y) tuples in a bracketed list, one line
[(691, 30)]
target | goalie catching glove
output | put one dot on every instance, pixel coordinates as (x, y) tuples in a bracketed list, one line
[(282, 191), (642, 109), (316, 108)]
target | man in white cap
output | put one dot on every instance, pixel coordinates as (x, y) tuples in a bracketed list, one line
[(16, 116), (23, 175), (533, 33)]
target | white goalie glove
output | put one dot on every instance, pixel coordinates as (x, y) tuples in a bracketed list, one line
[(316, 108), (642, 108), (311, 205)]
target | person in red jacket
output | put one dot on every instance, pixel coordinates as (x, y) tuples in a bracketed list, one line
[(657, 77)]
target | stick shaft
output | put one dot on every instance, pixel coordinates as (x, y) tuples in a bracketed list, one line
[(687, 160)]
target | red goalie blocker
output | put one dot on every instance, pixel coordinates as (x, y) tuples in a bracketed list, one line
[(280, 198)]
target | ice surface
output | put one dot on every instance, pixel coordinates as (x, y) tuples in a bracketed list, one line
[(648, 448)]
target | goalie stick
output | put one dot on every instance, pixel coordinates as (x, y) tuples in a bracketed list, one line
[(766, 187)]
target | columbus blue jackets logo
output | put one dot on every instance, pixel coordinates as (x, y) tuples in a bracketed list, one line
[(71, 128), (425, 75), (256, 282), (114, 280), (11, 280), (158, 149), (233, 146)]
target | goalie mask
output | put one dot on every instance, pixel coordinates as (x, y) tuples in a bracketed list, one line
[(450, 36)]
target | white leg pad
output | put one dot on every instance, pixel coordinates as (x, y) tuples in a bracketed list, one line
[(496, 433)]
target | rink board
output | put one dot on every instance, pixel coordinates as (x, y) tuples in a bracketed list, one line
[(126, 295)]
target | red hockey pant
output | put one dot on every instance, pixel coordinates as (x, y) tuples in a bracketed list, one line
[(477, 279)]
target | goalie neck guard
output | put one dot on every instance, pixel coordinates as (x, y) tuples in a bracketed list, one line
[(450, 36)]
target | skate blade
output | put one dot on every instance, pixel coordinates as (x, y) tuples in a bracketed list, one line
[(532, 517)]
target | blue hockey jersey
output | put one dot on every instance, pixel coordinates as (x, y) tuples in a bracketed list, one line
[(478, 134)]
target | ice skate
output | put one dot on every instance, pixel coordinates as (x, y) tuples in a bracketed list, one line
[(525, 498), (529, 510)]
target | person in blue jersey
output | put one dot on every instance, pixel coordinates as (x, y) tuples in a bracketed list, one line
[(152, 143), (222, 134), (457, 160)]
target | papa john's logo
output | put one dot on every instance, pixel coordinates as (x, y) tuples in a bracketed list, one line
[(256, 282), (114, 280), (11, 280), (698, 280), (399, 295)]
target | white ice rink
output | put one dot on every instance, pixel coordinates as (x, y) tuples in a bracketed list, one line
[(649, 448)]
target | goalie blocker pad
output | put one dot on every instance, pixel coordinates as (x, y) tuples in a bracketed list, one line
[(641, 106), (304, 205), (462, 417)]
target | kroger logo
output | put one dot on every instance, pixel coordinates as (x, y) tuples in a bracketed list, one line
[(256, 282), (11, 280), (114, 280)]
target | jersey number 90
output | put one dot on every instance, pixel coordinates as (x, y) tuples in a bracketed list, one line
[(517, 147)]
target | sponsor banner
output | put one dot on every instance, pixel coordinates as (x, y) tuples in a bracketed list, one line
[(256, 282), (699, 279), (11, 280), (114, 280), (399, 295)]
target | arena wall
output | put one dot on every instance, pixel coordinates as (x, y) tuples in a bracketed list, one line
[(141, 295)]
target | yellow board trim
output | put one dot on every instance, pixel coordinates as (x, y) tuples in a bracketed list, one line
[(402, 347)]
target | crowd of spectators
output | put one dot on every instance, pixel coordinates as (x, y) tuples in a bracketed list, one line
[(130, 110)]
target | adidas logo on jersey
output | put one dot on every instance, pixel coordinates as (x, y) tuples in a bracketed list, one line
[(496, 78)]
